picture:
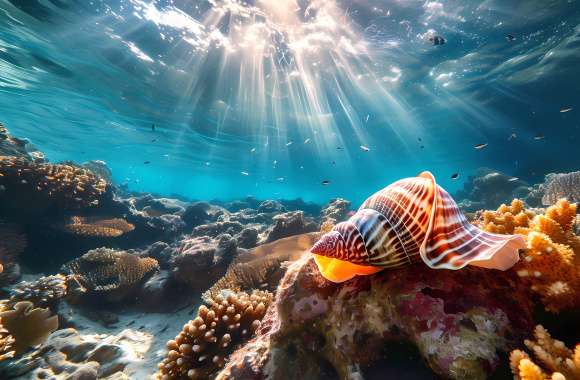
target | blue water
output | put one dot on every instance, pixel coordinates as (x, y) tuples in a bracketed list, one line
[(288, 91)]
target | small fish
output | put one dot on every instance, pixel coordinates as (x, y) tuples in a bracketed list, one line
[(325, 182), (513, 136), (147, 162), (307, 141), (367, 118), (539, 136), (152, 127), (334, 162), (480, 146), (252, 150), (280, 179), (245, 173), (289, 143), (437, 40), (564, 110), (364, 148), (338, 148), (510, 38), (513, 179), (207, 163), (419, 139), (422, 147), (454, 176)]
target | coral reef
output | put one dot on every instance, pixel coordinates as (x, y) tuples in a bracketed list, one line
[(44, 292), (562, 185), (551, 262), (12, 146), (487, 189), (200, 261), (99, 168), (6, 342), (108, 273), (562, 362), (35, 187), (205, 342), (288, 224), (98, 227), (12, 244), (28, 326), (458, 329)]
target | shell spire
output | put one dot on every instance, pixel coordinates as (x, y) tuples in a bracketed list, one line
[(413, 219)]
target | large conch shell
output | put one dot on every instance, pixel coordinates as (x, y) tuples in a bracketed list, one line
[(410, 219)]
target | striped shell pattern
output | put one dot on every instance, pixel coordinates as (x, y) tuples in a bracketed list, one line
[(411, 220)]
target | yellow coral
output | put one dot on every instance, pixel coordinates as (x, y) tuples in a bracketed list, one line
[(551, 262), (552, 354), (98, 227), (28, 325), (6, 342), (203, 345)]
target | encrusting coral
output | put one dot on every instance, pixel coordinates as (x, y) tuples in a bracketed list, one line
[(44, 292), (98, 227), (29, 326), (563, 185), (551, 261), (41, 184), (552, 354), (113, 274), (12, 244), (206, 341)]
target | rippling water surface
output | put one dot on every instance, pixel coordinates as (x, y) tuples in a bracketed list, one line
[(270, 98)]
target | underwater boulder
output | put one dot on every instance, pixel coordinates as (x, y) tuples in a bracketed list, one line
[(457, 320), (288, 224), (335, 211)]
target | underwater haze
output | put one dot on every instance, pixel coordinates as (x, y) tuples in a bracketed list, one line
[(294, 99)]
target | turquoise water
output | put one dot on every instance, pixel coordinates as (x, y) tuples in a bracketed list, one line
[(271, 98)]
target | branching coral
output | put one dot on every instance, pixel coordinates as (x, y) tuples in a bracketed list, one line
[(113, 274), (44, 292), (38, 184), (551, 262), (12, 243), (98, 227), (28, 326), (6, 342), (552, 354), (206, 341)]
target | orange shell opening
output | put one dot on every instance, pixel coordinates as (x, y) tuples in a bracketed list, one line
[(339, 271)]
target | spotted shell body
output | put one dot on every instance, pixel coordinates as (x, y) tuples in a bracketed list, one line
[(411, 220)]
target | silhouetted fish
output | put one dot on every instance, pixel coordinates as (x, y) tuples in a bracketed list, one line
[(480, 146)]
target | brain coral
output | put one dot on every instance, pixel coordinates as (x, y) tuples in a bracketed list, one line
[(112, 274), (551, 262), (206, 341), (552, 354), (28, 326), (31, 185)]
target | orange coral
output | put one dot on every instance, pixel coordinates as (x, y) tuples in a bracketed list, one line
[(203, 345), (551, 261), (552, 354)]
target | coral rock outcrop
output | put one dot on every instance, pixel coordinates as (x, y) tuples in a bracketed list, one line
[(44, 292), (200, 261), (98, 227), (288, 224), (559, 362), (562, 185), (458, 320), (35, 187), (206, 341)]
